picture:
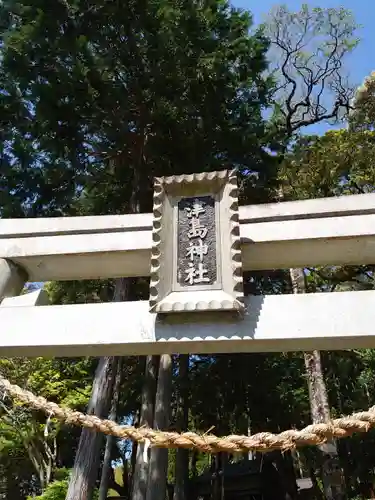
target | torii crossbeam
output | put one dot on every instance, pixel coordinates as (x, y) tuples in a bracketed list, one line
[(332, 231)]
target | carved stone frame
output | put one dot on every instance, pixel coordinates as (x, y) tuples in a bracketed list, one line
[(166, 296)]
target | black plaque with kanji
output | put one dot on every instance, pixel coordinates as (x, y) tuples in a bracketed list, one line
[(196, 242)]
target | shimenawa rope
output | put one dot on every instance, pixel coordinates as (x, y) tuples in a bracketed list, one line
[(315, 434)]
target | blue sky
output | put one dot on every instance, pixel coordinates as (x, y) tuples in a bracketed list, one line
[(362, 61)]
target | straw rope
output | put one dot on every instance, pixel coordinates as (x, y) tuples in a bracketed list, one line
[(315, 434)]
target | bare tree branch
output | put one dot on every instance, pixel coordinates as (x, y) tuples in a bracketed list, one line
[(307, 52)]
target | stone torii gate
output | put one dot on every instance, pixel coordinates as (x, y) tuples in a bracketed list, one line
[(194, 246)]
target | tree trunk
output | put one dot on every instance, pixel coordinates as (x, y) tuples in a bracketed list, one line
[(12, 279), (250, 455), (333, 480), (182, 455), (43, 458), (86, 464), (158, 472), (140, 478), (218, 476), (133, 458), (110, 440), (194, 460)]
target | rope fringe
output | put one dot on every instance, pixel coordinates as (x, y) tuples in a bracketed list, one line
[(315, 434)]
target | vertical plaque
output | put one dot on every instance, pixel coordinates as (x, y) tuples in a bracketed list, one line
[(196, 242), (196, 252)]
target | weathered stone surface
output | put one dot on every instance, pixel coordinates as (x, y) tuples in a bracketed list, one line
[(196, 242)]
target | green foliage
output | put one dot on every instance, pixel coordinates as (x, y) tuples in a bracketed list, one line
[(23, 431), (119, 94), (57, 489), (362, 116), (339, 162)]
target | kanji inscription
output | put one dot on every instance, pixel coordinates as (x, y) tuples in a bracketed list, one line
[(196, 245)]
